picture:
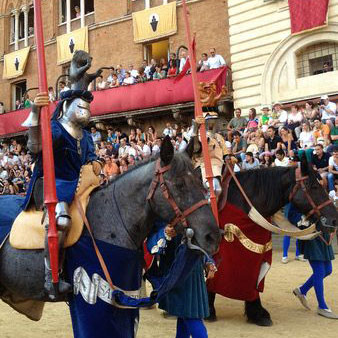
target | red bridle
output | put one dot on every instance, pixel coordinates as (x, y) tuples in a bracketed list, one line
[(301, 185), (159, 180)]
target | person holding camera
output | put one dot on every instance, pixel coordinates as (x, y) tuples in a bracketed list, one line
[(327, 109)]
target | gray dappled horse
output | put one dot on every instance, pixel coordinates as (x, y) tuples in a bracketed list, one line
[(120, 215)]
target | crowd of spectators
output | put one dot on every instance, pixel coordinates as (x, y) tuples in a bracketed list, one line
[(155, 70), (280, 137)]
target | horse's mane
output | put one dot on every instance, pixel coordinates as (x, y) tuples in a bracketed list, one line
[(266, 183)]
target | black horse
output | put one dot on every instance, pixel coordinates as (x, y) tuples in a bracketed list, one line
[(269, 190)]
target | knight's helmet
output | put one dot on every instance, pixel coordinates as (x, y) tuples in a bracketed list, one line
[(211, 118)]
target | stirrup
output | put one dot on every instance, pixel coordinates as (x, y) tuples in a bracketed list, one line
[(55, 291)]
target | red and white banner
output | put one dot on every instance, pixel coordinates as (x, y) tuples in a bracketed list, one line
[(307, 14)]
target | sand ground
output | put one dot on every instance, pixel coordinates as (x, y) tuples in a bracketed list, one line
[(290, 318)]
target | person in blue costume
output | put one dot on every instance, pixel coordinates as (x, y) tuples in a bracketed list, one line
[(320, 254), (72, 147), (189, 301)]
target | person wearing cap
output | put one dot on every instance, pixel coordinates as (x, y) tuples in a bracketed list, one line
[(328, 109), (279, 117), (217, 147), (264, 119)]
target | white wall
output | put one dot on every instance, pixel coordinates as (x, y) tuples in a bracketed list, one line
[(263, 54)]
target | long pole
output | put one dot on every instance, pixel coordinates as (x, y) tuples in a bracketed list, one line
[(47, 147), (198, 112)]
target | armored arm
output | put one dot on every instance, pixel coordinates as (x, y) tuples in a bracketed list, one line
[(34, 143)]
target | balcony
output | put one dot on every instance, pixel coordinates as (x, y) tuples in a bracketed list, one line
[(126, 101)]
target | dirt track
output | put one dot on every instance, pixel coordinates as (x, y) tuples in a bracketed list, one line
[(290, 319)]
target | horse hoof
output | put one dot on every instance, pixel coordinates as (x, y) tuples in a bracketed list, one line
[(211, 318), (261, 322)]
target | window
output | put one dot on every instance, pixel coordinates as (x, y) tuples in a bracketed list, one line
[(25, 24), (157, 50), (75, 9), (21, 25), (31, 21), (12, 31), (18, 91), (317, 59)]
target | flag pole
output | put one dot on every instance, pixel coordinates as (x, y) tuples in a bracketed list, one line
[(198, 112), (50, 199)]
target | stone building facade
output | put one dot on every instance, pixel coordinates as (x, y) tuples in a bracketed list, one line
[(110, 35), (269, 64)]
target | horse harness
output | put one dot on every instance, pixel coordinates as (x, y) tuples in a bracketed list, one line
[(159, 180), (300, 184)]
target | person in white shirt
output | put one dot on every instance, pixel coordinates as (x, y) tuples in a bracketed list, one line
[(133, 149), (143, 148), (183, 60), (101, 84), (328, 109), (333, 173), (133, 72), (281, 160), (146, 68), (128, 80), (168, 130), (215, 60), (181, 143), (203, 63), (306, 139), (157, 146), (124, 148), (63, 87), (110, 76), (280, 116)]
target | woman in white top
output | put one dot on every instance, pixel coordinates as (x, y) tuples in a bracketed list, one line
[(306, 142), (295, 117)]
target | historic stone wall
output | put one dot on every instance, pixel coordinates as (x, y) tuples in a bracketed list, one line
[(111, 37)]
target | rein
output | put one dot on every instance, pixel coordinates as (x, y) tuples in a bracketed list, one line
[(158, 180), (301, 185), (180, 216)]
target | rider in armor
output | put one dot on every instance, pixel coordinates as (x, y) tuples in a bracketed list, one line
[(216, 146), (72, 147)]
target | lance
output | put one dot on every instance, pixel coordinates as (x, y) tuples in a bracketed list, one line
[(198, 112), (50, 199)]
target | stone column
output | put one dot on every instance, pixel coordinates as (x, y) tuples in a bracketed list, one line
[(16, 29), (147, 4), (25, 10), (68, 16), (82, 15), (165, 2)]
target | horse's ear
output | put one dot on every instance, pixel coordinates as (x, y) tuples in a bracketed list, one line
[(304, 166), (167, 151), (190, 148)]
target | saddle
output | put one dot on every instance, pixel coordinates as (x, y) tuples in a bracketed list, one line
[(28, 231)]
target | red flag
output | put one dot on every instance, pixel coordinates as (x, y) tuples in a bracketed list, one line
[(185, 68), (307, 14), (187, 64)]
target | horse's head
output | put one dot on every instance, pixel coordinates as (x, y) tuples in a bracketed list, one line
[(180, 192), (311, 199)]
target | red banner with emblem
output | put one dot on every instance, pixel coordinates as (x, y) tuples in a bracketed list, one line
[(307, 14)]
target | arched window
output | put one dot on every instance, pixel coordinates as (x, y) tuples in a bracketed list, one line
[(316, 59)]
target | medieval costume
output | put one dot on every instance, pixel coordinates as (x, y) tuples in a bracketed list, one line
[(319, 252), (189, 301)]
